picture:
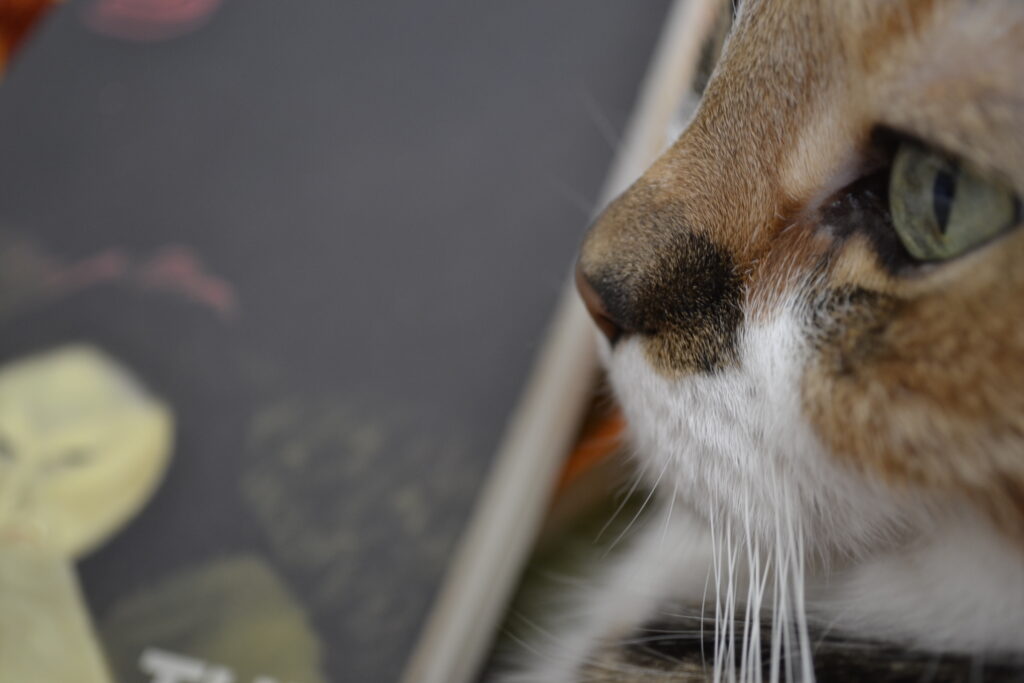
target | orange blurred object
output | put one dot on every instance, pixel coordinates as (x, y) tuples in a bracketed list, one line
[(17, 17), (600, 438)]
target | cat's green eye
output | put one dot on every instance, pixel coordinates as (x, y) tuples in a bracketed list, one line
[(941, 208)]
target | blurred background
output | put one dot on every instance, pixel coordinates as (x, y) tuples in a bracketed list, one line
[(324, 239)]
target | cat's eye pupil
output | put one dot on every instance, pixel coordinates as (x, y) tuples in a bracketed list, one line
[(943, 194)]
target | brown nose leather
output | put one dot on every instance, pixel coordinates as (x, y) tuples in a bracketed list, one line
[(596, 308)]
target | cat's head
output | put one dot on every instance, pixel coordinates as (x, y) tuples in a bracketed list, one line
[(814, 300)]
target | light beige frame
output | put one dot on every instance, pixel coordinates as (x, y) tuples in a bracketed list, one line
[(510, 510)]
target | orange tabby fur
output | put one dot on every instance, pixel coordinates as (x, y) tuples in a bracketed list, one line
[(938, 401), (834, 429)]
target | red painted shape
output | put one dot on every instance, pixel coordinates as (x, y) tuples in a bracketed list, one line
[(17, 19), (28, 273)]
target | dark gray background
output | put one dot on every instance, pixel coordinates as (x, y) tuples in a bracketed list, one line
[(394, 190)]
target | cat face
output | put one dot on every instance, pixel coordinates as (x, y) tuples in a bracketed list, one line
[(814, 300)]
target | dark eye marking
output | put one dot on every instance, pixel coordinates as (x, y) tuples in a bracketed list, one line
[(862, 208), (920, 206), (846, 324)]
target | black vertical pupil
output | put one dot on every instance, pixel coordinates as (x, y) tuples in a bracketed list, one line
[(943, 192)]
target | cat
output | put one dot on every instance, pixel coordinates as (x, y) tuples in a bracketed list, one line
[(812, 309)]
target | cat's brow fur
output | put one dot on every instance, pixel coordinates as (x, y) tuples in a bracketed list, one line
[(838, 442)]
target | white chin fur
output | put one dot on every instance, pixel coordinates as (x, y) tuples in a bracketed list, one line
[(745, 489), (735, 445)]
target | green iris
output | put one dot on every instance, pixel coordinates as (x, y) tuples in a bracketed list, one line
[(942, 208)]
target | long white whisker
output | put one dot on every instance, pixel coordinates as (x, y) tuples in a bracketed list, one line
[(731, 603), (745, 656), (703, 603), (601, 121), (643, 506), (717, 565), (671, 508), (807, 665), (618, 510), (779, 603)]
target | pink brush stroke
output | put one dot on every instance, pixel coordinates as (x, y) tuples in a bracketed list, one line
[(148, 20), (178, 269)]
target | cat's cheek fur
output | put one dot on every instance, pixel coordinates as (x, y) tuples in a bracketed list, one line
[(735, 448), (958, 589)]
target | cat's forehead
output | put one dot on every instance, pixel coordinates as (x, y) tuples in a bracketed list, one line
[(956, 81), (947, 71)]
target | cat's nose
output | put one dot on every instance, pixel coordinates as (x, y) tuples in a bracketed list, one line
[(595, 304)]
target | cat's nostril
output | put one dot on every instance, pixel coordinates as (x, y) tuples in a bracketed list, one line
[(595, 306)]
